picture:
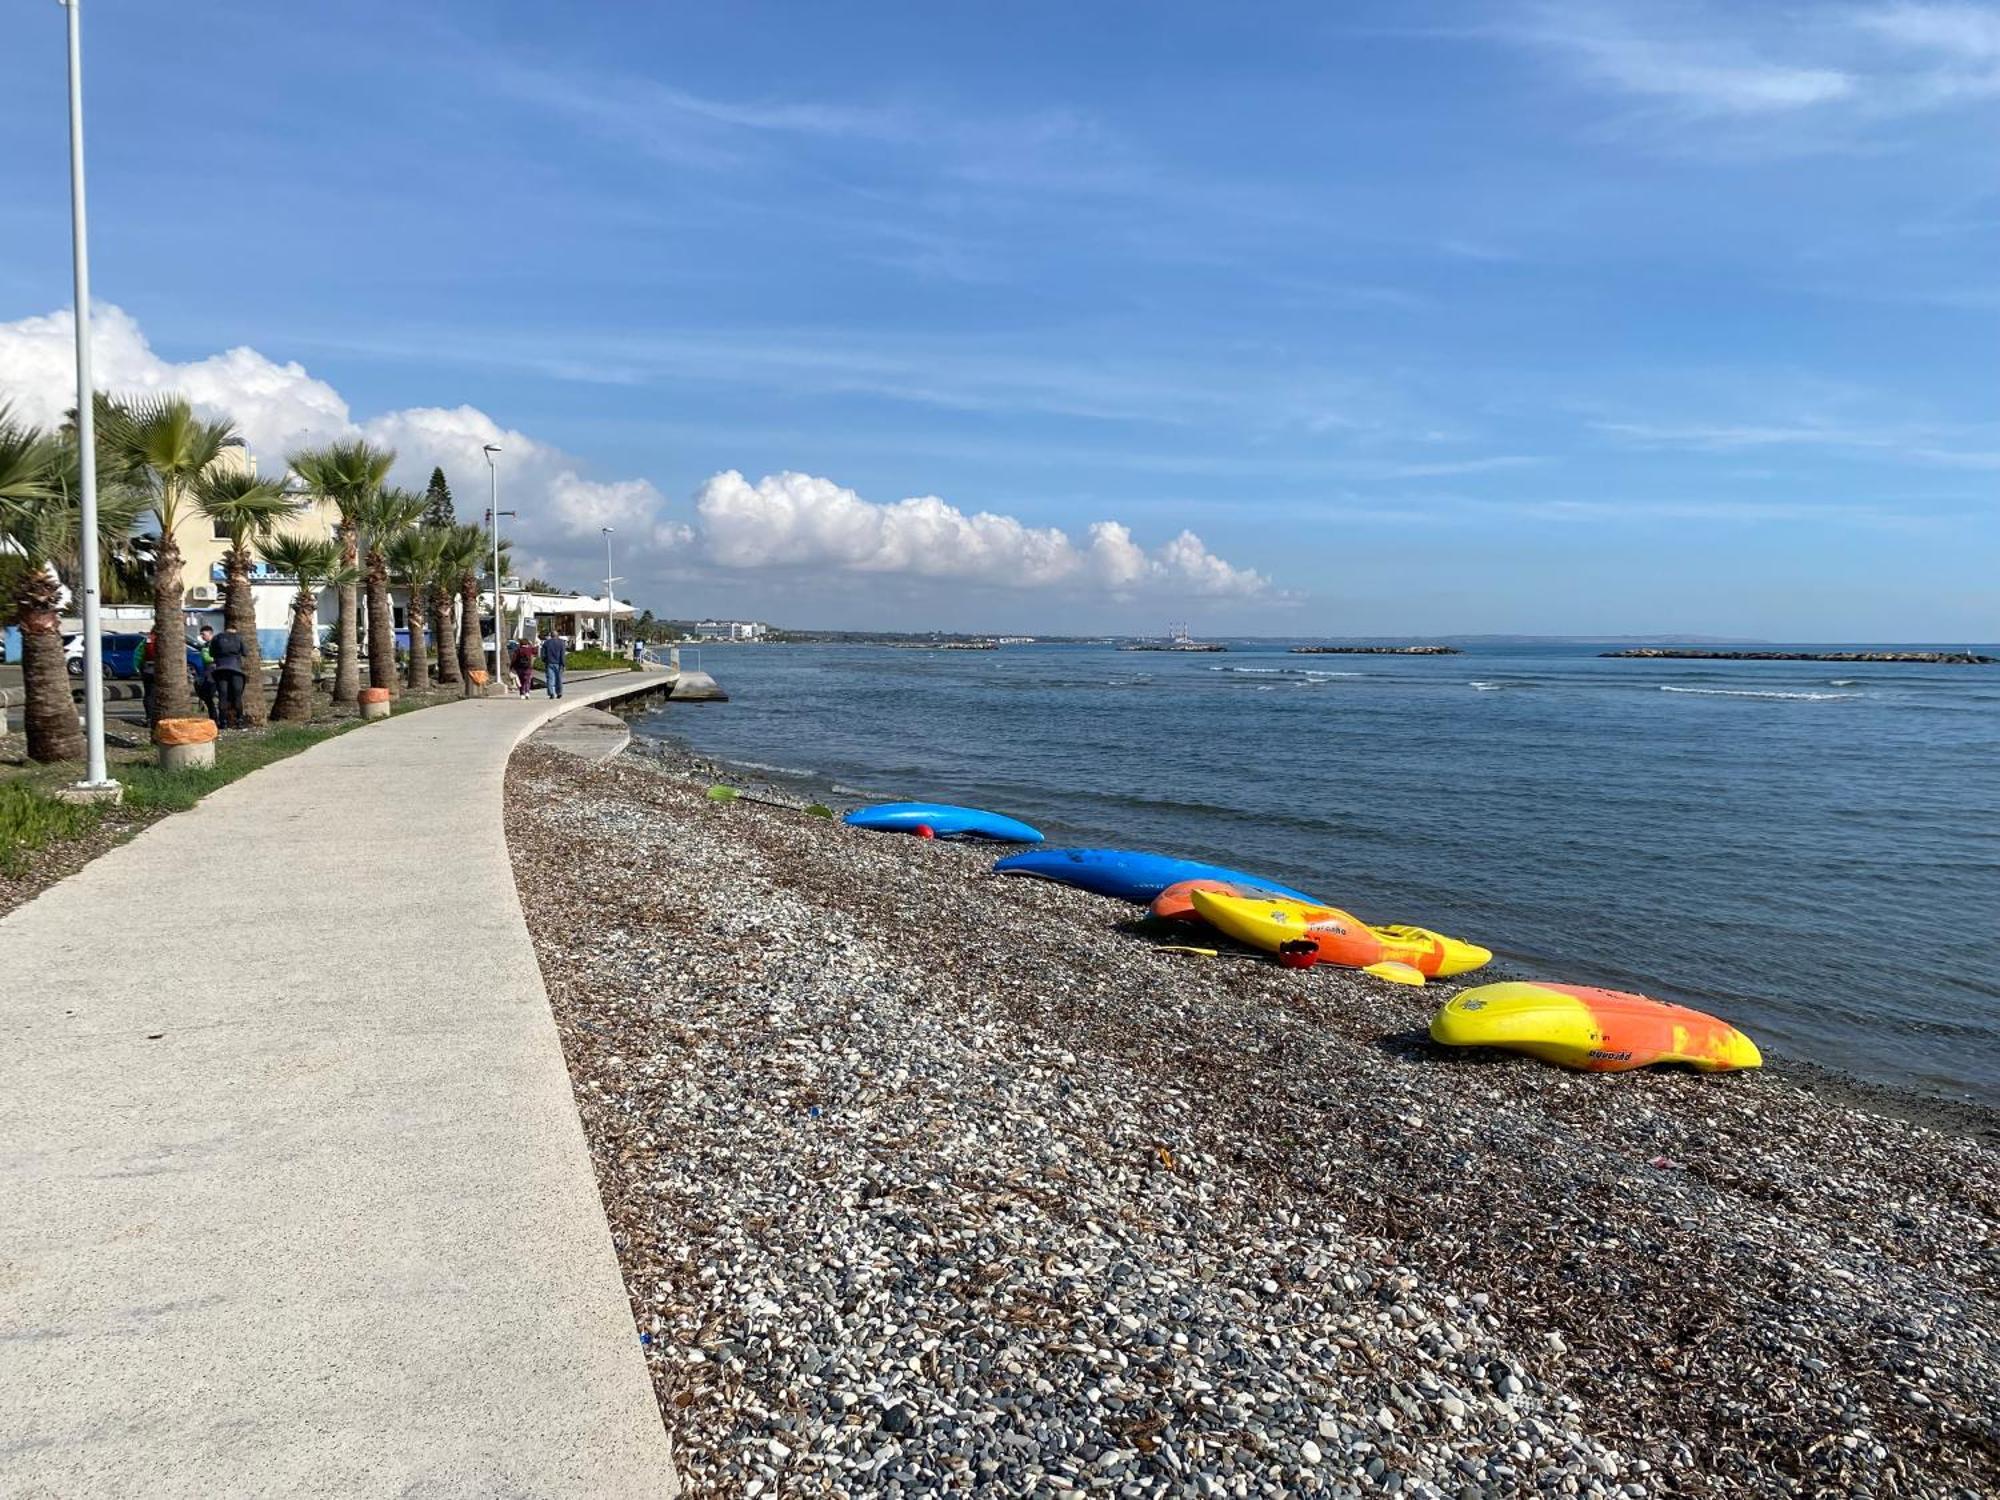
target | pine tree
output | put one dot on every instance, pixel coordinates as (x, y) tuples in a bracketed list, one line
[(437, 501)]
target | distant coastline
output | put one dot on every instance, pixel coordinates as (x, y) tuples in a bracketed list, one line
[(1376, 651), (1924, 658)]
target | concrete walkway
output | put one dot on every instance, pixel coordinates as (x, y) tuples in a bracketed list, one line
[(296, 1201)]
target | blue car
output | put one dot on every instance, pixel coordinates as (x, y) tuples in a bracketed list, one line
[(120, 650)]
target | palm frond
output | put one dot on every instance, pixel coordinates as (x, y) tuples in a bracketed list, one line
[(307, 559), (242, 504)]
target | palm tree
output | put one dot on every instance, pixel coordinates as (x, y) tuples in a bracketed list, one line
[(247, 508), (380, 519), (414, 557), (443, 593), (313, 564), (470, 552), (164, 446), (40, 518), (347, 473)]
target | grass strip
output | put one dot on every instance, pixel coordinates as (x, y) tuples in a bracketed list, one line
[(33, 819)]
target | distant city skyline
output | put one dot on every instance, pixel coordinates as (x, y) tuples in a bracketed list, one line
[(1555, 317)]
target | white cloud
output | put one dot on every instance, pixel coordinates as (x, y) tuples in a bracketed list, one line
[(279, 408), (803, 521), (783, 521), (1969, 33), (1711, 68), (1696, 62)]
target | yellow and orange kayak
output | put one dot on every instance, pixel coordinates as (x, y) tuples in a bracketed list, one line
[(1598, 1031), (1270, 922)]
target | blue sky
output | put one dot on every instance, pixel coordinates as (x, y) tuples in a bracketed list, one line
[(1563, 317)]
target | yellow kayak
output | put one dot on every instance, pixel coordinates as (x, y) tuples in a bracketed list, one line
[(1341, 938), (1597, 1031)]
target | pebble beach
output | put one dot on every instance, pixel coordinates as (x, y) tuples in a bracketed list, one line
[(925, 1181)]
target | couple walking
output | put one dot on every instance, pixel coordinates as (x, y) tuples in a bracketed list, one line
[(554, 654)]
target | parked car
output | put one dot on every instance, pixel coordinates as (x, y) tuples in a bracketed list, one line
[(120, 649)]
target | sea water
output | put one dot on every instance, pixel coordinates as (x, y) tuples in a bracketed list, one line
[(1811, 850)]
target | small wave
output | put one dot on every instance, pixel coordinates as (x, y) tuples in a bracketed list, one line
[(843, 789), (1256, 671), (1496, 687), (1754, 693), (1326, 676), (1844, 682), (768, 768)]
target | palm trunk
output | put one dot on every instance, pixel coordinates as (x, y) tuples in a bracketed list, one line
[(239, 613), (295, 677), (419, 676), (447, 645), (381, 625), (347, 636), (50, 712), (469, 655), (173, 697)]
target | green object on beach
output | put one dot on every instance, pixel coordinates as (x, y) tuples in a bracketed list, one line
[(723, 794), (819, 810)]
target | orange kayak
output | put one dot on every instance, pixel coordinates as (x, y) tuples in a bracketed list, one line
[(1176, 902)]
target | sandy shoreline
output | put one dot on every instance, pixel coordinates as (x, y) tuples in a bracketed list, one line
[(925, 1181)]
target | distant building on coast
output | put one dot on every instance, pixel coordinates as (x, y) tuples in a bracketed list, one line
[(730, 630)]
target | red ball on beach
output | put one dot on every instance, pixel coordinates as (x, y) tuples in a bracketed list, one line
[(1298, 956), (924, 831)]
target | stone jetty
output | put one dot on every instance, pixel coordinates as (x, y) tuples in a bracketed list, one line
[(1924, 658)]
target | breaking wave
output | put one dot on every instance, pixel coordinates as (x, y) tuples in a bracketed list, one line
[(1761, 693)]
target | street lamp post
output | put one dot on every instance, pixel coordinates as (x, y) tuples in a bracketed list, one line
[(610, 625), (97, 779), (493, 521)]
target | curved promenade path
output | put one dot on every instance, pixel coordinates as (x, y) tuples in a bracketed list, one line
[(296, 1201)]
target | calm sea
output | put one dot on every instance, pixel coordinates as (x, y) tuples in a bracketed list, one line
[(1811, 850)]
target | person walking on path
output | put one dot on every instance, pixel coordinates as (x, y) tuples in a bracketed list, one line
[(555, 652), (226, 677), (524, 665)]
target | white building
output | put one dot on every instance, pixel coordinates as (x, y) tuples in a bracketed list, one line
[(731, 630)]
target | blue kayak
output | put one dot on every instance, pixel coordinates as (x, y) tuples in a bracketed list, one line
[(1127, 874), (944, 820)]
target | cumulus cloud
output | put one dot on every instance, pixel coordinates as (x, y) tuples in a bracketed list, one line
[(277, 407), (803, 521), (280, 408), (783, 521)]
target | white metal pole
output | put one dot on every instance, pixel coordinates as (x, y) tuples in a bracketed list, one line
[(493, 516), (95, 773), (610, 629)]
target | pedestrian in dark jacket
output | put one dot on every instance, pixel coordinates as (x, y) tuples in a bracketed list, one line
[(555, 653), (524, 665), (226, 655)]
